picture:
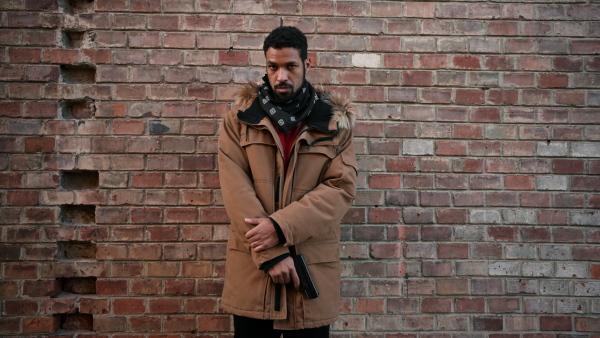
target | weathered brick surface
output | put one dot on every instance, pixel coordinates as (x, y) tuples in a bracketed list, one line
[(477, 142)]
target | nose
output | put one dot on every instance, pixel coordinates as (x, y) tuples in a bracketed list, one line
[(282, 75)]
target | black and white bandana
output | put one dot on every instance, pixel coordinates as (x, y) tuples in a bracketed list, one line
[(289, 114)]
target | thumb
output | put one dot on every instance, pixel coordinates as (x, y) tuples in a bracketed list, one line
[(251, 220)]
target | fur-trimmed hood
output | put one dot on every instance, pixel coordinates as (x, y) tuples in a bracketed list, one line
[(341, 110)]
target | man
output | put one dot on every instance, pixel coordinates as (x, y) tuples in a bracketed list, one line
[(288, 174)]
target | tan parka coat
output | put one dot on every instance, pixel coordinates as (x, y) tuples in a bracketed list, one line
[(307, 202)]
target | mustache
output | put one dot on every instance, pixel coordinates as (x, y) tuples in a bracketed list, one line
[(284, 85)]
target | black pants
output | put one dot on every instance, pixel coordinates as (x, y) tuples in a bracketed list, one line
[(257, 328)]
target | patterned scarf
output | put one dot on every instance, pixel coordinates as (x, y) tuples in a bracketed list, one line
[(289, 114)]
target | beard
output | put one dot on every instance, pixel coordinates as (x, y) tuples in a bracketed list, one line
[(285, 97)]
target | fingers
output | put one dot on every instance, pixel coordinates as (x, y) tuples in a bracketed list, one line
[(281, 279), (296, 279)]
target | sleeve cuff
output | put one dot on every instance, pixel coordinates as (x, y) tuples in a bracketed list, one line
[(269, 264), (279, 232)]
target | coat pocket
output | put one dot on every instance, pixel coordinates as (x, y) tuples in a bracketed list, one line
[(245, 286), (309, 159)]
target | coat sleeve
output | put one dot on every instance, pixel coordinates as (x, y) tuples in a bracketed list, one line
[(237, 189), (322, 208)]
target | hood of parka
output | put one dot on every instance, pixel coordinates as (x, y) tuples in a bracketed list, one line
[(333, 111)]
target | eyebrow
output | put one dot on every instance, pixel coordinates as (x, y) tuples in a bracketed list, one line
[(287, 64)]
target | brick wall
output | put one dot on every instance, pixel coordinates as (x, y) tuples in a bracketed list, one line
[(478, 147)]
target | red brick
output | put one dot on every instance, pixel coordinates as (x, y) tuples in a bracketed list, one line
[(147, 180), (213, 323), (454, 286), (180, 287), (470, 96), (22, 197), (437, 269), (20, 270), (20, 307), (556, 323), (165, 305), (519, 182), (417, 78), (39, 144), (419, 10), (453, 251), (536, 235), (470, 305), (40, 324), (466, 62), (519, 79), (436, 305), (128, 306), (368, 94), (506, 97), (145, 286), (111, 287), (503, 233), (10, 325), (486, 115), (503, 28), (398, 61), (25, 55), (535, 199), (384, 215), (487, 324), (585, 46)]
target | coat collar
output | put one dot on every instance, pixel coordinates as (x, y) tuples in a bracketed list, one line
[(330, 114)]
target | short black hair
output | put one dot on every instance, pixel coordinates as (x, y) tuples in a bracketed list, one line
[(287, 36)]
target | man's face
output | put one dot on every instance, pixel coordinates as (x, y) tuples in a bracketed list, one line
[(285, 70)]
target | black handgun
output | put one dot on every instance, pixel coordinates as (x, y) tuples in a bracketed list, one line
[(306, 283)]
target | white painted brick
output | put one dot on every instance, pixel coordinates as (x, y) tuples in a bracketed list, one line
[(572, 305), (419, 113), (471, 268), (484, 217), (519, 216), (521, 251), (555, 149), (469, 233), (538, 269), (552, 182), (555, 287), (484, 45), (593, 98), (522, 286), (417, 147), (586, 149), (504, 269), (555, 252), (585, 217), (572, 270), (418, 44), (386, 111), (454, 44), (538, 305), (588, 289), (366, 60)]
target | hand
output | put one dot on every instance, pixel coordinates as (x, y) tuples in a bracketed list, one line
[(263, 236), (285, 272)]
